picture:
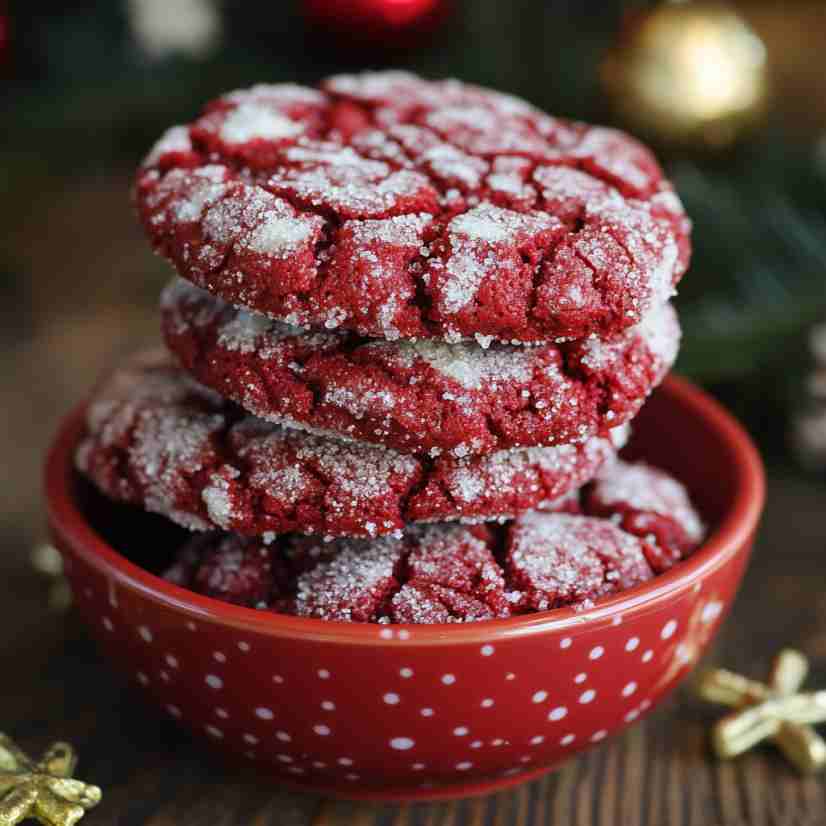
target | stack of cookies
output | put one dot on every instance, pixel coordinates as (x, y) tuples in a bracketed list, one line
[(412, 320)]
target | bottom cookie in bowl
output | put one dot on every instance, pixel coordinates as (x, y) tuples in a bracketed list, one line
[(446, 573)]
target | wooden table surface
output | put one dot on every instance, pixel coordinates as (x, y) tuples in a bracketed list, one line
[(659, 773)]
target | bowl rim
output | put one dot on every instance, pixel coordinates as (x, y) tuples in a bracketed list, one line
[(734, 532)]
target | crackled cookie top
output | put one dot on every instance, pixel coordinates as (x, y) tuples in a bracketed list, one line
[(439, 573), (559, 559), (404, 208), (424, 396), (648, 503), (434, 574), (157, 438)]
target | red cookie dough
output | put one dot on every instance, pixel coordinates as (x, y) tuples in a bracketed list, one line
[(405, 208), (648, 503), (424, 396), (157, 438), (557, 559)]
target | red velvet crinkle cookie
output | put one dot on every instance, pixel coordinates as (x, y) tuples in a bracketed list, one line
[(439, 573), (432, 574), (405, 208), (648, 503), (424, 396), (157, 438), (559, 559)]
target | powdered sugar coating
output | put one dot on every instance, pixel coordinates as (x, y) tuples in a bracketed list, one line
[(648, 503), (154, 437), (558, 559), (425, 396), (516, 226)]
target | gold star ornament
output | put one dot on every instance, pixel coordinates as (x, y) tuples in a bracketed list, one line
[(776, 710), (44, 791)]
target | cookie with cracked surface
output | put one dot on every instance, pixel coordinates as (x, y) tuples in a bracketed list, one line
[(418, 397), (399, 207), (556, 559), (440, 573), (647, 502), (156, 438), (435, 574)]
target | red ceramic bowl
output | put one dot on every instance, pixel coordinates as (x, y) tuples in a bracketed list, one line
[(403, 712)]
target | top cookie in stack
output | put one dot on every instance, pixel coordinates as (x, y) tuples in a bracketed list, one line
[(399, 301)]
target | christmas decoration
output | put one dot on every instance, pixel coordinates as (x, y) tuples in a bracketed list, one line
[(383, 22), (809, 425), (689, 73), (775, 710), (44, 791), (165, 27), (4, 34), (46, 560)]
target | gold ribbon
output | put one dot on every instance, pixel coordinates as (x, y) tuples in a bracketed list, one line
[(776, 711)]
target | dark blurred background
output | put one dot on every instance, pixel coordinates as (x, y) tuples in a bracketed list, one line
[(86, 88)]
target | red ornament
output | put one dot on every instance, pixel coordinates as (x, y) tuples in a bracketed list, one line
[(385, 22), (4, 34)]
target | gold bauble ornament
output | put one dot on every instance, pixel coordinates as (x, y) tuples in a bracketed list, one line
[(690, 73)]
